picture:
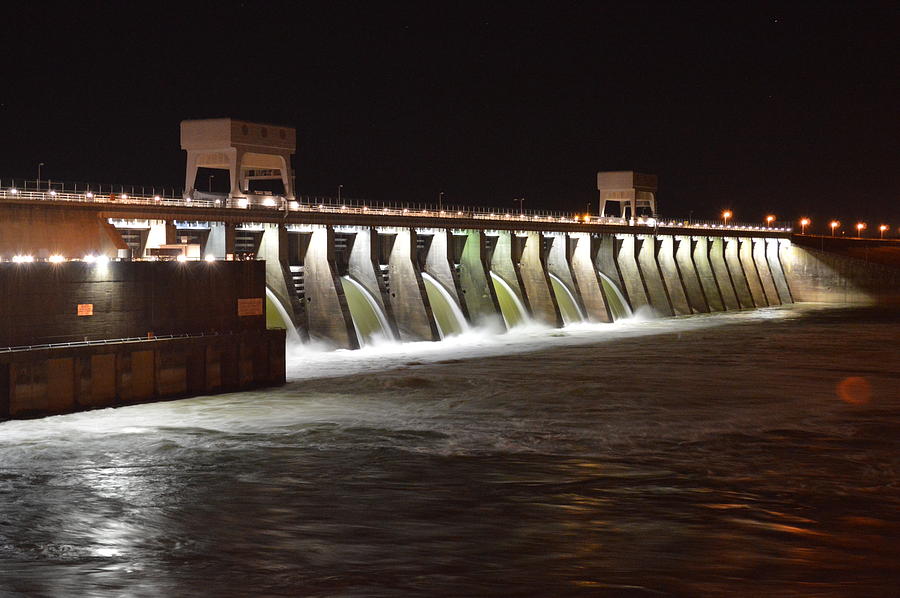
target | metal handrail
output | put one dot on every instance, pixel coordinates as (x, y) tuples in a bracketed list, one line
[(362, 207), (109, 341)]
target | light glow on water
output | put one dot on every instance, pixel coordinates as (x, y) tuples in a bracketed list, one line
[(535, 461)]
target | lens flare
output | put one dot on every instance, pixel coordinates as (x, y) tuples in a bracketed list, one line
[(854, 390)]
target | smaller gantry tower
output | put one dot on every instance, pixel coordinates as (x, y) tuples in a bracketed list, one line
[(629, 189)]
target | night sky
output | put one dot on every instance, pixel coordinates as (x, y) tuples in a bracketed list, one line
[(764, 109)]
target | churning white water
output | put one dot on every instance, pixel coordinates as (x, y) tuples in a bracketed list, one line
[(750, 453)]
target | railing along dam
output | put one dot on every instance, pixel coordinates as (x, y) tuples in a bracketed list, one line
[(351, 274)]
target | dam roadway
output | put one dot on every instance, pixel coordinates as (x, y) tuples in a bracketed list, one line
[(147, 208), (349, 273)]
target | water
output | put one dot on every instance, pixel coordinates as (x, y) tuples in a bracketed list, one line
[(447, 314), (745, 454), (369, 321), (511, 307)]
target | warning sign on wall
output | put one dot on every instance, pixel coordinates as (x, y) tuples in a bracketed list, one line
[(85, 309), (250, 307)]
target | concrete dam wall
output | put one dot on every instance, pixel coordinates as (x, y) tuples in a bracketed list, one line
[(847, 277), (348, 283), (351, 278)]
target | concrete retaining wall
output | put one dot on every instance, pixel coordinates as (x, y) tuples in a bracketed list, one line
[(51, 381), (816, 275)]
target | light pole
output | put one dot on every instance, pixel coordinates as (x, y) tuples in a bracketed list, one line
[(834, 224), (521, 201), (340, 187), (209, 183), (769, 220), (883, 228), (804, 222), (860, 227), (441, 201), (725, 216), (39, 176)]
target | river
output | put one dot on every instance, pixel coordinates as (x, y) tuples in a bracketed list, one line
[(742, 454)]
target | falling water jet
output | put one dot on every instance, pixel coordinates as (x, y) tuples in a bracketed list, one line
[(568, 306), (368, 318), (511, 306), (447, 314), (618, 305), (277, 317)]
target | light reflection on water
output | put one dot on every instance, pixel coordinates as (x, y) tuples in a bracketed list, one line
[(708, 455)]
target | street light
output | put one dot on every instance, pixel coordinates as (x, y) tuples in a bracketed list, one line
[(441, 201), (883, 228), (804, 222), (39, 176), (834, 224), (209, 183), (860, 227), (725, 216), (769, 220), (521, 201), (340, 187)]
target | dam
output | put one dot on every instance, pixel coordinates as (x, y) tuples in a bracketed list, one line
[(348, 273)]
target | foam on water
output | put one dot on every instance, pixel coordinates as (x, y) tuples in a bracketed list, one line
[(299, 403), (318, 360), (659, 457)]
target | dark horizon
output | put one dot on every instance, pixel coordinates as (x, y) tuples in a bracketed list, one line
[(759, 110)]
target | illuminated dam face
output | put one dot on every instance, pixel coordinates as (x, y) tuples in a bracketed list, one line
[(351, 278), (354, 286)]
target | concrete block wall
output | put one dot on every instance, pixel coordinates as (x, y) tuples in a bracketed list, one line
[(39, 301), (58, 380)]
